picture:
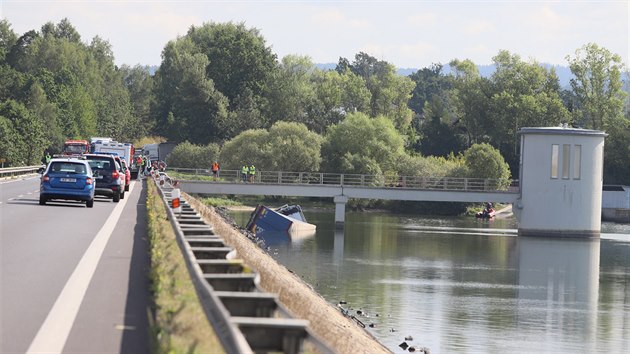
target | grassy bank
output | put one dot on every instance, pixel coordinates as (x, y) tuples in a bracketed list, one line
[(179, 323)]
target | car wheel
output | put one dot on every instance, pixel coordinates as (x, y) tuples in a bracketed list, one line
[(116, 197), (127, 187), (42, 200), (89, 203), (122, 194)]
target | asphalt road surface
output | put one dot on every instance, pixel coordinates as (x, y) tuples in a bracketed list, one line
[(72, 279)]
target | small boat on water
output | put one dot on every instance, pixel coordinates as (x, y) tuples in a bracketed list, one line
[(287, 218), (486, 214)]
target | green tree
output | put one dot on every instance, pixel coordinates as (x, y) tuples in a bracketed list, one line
[(249, 147), (293, 147), (524, 95), (9, 141), (390, 92), (291, 93), (429, 81), (238, 57), (360, 144), (335, 96), (484, 161), (287, 146), (471, 100), (438, 134), (7, 39), (47, 112), (29, 131), (140, 85), (246, 113), (187, 155), (190, 106), (597, 86)]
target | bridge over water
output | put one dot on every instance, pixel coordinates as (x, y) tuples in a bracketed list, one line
[(559, 191), (342, 187)]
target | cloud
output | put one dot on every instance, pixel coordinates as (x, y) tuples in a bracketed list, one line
[(423, 19), (479, 27), (328, 17)]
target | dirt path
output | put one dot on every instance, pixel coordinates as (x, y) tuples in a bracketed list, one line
[(326, 321)]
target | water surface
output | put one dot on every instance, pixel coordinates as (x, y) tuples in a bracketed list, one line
[(459, 285)]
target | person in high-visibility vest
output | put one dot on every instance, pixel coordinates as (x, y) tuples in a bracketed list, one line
[(252, 173), (244, 172), (215, 169)]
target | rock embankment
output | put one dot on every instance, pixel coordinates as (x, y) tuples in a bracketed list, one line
[(326, 321)]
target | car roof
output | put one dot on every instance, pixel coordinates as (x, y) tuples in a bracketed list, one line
[(99, 155), (69, 159)]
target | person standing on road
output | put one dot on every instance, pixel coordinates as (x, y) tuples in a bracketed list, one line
[(47, 158), (143, 166), (244, 172), (139, 166), (252, 173), (215, 169)]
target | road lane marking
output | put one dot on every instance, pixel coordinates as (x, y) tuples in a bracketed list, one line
[(53, 334)]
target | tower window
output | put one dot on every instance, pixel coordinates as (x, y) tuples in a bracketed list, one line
[(577, 157), (554, 160), (566, 160)]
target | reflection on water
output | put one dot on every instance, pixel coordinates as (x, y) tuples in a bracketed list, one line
[(469, 286), (277, 238)]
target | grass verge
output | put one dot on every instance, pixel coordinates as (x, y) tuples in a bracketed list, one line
[(179, 323)]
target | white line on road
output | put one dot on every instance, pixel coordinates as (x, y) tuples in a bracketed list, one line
[(52, 335)]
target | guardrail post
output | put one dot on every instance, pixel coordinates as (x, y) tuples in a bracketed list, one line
[(321, 178), (341, 179), (280, 177)]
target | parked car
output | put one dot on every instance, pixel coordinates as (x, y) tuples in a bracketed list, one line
[(67, 179), (127, 174), (108, 174), (123, 175)]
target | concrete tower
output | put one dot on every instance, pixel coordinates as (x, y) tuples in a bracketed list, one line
[(561, 171)]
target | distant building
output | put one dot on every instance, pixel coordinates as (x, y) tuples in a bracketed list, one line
[(561, 182), (616, 203)]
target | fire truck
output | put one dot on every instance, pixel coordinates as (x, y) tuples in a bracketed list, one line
[(76, 147)]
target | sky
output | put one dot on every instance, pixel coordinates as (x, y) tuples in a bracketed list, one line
[(408, 34)]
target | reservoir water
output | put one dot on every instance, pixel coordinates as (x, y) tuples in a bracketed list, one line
[(460, 285)]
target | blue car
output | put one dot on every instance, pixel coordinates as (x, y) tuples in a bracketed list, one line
[(67, 179)]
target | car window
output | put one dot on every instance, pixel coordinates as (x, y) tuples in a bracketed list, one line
[(67, 167), (100, 164)]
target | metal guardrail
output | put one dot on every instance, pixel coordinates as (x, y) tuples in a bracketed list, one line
[(358, 180), (245, 318), (18, 171)]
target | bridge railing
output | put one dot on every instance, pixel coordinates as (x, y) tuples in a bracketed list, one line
[(359, 180)]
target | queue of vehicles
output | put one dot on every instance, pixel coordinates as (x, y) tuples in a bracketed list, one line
[(86, 169)]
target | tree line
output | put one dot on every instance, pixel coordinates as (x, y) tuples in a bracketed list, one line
[(222, 92)]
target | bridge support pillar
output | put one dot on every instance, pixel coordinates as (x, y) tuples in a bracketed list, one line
[(340, 210)]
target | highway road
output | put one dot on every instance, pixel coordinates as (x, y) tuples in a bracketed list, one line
[(72, 279)]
